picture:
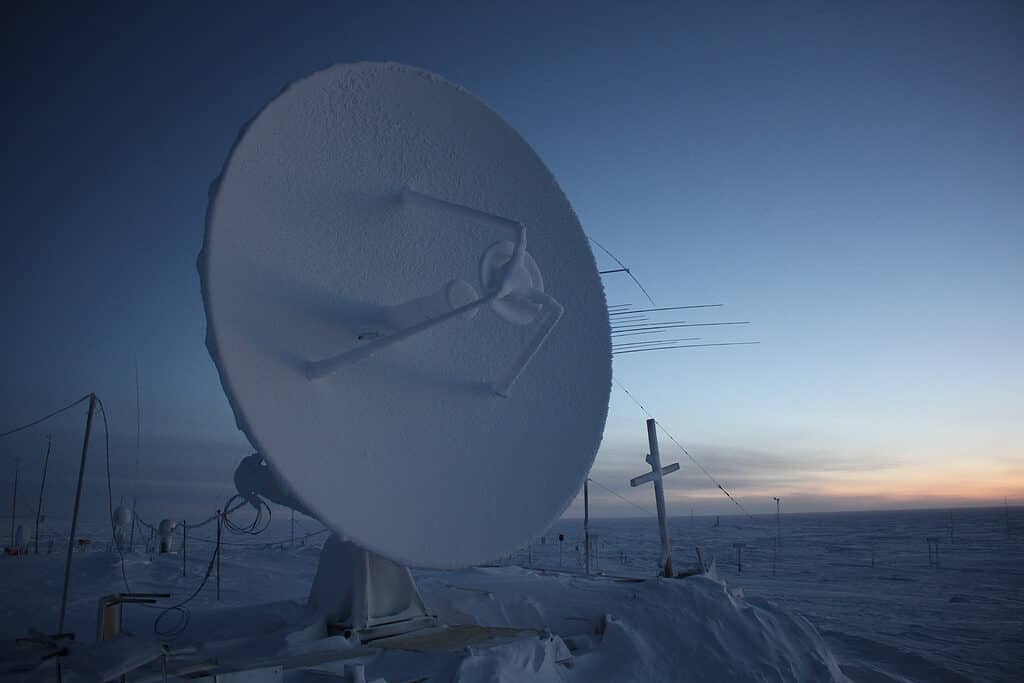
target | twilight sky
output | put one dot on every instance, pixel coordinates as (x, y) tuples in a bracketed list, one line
[(847, 178)]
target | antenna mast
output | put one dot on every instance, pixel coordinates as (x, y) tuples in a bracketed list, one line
[(14, 502), (42, 487), (138, 442)]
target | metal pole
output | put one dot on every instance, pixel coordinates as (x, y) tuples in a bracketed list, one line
[(1006, 509), (74, 514), (14, 502), (659, 498), (184, 547), (138, 444), (42, 486), (778, 520), (586, 524), (217, 550), (131, 536)]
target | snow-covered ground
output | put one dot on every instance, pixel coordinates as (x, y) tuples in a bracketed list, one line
[(862, 578), (898, 620)]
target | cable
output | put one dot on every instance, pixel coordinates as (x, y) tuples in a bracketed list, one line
[(255, 527), (44, 418), (265, 544), (683, 449), (623, 498), (186, 615)]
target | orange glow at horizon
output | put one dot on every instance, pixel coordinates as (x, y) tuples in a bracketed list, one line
[(957, 482), (977, 482)]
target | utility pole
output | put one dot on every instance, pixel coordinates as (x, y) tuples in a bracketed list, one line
[(74, 514), (42, 486)]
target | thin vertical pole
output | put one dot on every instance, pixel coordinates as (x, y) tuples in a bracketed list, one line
[(42, 487), (778, 521), (138, 445), (14, 501), (778, 532), (1006, 508), (184, 546), (217, 550), (586, 524), (74, 514), (131, 535), (293, 527), (659, 498)]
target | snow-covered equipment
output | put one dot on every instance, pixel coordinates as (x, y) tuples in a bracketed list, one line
[(20, 541), (408, 323), (122, 517), (166, 533), (345, 207), (122, 522)]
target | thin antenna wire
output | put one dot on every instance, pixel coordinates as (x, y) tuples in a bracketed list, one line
[(636, 334), (667, 308), (682, 448), (658, 328), (624, 269), (623, 498), (44, 418), (620, 324), (684, 346), (655, 341)]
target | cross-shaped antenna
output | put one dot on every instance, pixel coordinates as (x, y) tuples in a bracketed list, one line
[(656, 474)]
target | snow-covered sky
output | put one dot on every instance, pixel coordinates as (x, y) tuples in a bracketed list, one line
[(847, 177)]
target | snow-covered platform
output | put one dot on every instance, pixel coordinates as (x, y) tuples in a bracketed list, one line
[(500, 624)]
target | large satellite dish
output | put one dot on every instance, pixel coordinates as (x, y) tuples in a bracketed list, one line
[(406, 315)]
